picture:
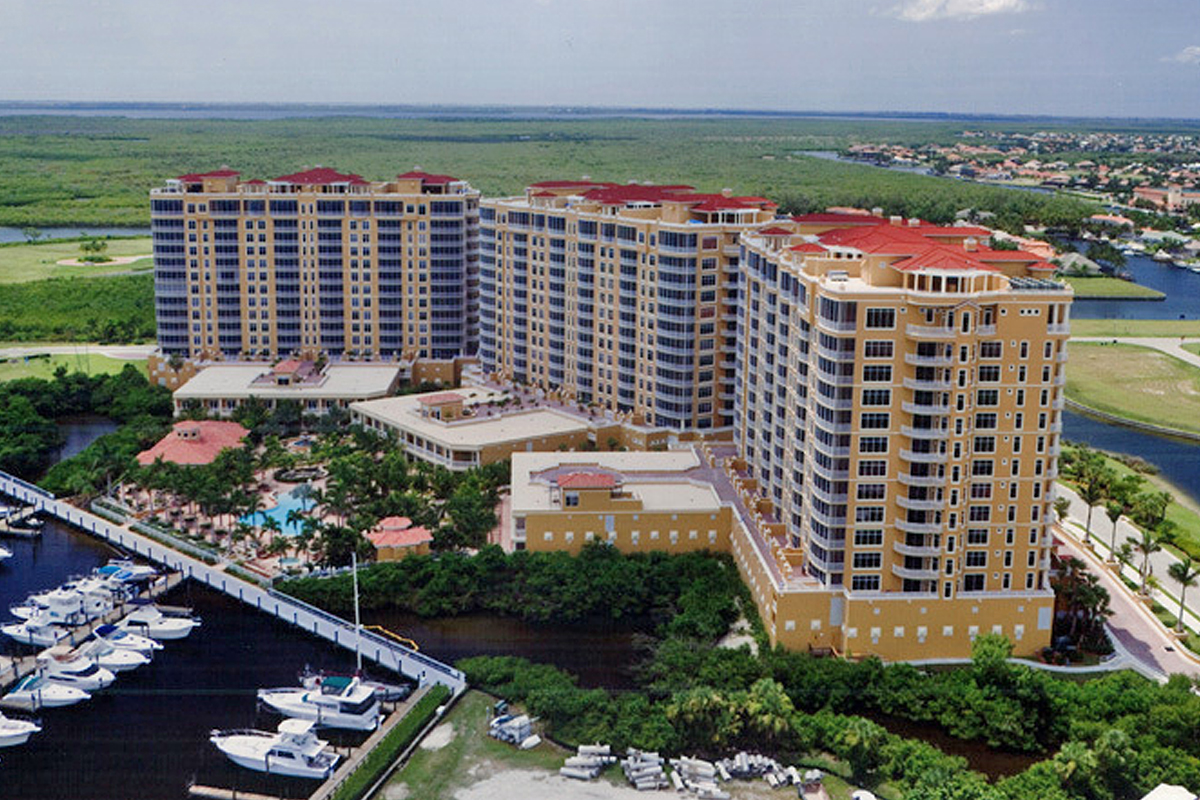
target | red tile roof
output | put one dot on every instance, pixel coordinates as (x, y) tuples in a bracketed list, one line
[(544, 194), (321, 176), (944, 258), (194, 177), (775, 231), (409, 537), (283, 367), (839, 219), (951, 231), (212, 437), (427, 177), (569, 184), (441, 398), (586, 480), (393, 524), (809, 247)]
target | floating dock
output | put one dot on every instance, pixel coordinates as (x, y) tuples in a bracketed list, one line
[(12, 525)]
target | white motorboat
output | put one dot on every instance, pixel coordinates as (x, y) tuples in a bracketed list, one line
[(111, 657), (33, 692), (37, 631), (5, 554), (63, 667), (61, 606), (124, 640), (148, 620), (126, 571), (294, 750), (16, 731), (336, 702)]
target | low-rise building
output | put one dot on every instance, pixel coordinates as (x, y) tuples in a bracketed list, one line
[(194, 442), (636, 502), (473, 426), (396, 538), (221, 388)]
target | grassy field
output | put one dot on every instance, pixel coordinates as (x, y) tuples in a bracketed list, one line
[(97, 170), (1111, 289), (35, 262), (1173, 328), (1192, 347), (1135, 383), (43, 367)]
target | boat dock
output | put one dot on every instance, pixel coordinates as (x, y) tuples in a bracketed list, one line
[(12, 669), (386, 652), (11, 524)]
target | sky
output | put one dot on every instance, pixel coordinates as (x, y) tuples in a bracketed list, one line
[(1119, 58)]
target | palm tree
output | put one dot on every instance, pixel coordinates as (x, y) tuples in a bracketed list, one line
[(1185, 572), (1114, 510), (1148, 545), (1094, 480), (1062, 506)]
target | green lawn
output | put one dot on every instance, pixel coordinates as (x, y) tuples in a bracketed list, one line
[(1110, 288), (1136, 383), (43, 367), (35, 262), (1192, 347), (1135, 327)]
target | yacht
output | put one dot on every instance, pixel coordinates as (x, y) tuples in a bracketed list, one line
[(71, 669), (126, 571), (294, 750), (33, 692), (111, 657), (149, 620), (124, 640), (16, 731), (337, 702), (61, 606), (38, 631)]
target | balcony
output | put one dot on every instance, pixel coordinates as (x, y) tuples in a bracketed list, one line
[(928, 332), (837, 326), (920, 480), (829, 473), (928, 361), (919, 505), (918, 408), (1059, 330), (924, 433), (920, 552), (922, 458), (915, 574), (918, 527), (928, 385), (827, 519), (835, 355), (986, 330)]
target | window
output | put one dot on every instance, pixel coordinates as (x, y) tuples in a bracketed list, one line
[(877, 373), (875, 348), (864, 583), (977, 536), (981, 491), (868, 560), (876, 420), (987, 397), (868, 514), (872, 468), (571, 499), (976, 558), (881, 318), (984, 444), (989, 373), (873, 444), (872, 491), (973, 582), (979, 513), (876, 397), (983, 468), (991, 349), (871, 537)]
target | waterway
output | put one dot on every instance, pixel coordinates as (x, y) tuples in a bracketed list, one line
[(1177, 460), (16, 234), (1181, 286), (79, 432)]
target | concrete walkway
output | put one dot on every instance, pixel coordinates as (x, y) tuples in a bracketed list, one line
[(1168, 345), (129, 352), (1135, 631)]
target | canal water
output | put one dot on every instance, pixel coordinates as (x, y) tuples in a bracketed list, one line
[(17, 235), (79, 432), (1181, 286)]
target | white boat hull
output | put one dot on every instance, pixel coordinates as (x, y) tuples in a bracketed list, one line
[(38, 637), (253, 752), (291, 703), (122, 659), (16, 731), (165, 630), (100, 679), (51, 696)]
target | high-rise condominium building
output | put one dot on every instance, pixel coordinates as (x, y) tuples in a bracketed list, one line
[(900, 388), (316, 263), (619, 295)]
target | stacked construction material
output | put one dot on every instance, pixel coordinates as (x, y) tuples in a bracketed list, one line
[(588, 763), (511, 728), (644, 770), (747, 766), (699, 776)]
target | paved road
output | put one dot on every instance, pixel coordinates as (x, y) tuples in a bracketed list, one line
[(1136, 629), (130, 352), (1168, 345)]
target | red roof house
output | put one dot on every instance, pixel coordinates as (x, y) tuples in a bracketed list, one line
[(193, 442)]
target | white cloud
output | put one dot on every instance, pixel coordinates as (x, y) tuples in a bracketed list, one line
[(925, 10), (1188, 55)]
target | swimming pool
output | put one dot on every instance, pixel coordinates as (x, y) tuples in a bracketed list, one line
[(294, 500)]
